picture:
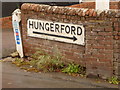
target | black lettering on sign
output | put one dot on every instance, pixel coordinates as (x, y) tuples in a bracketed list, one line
[(67, 29), (73, 30), (31, 24), (47, 26), (51, 27), (57, 28), (62, 28), (36, 25), (41, 26), (79, 30), (57, 31)]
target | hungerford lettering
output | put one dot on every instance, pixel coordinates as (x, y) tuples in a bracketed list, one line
[(56, 31), (52, 27)]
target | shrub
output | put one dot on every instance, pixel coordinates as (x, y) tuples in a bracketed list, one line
[(19, 62), (113, 80), (46, 62), (74, 68)]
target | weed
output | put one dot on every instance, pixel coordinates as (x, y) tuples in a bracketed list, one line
[(19, 62), (33, 62), (45, 62), (37, 54), (74, 68), (113, 80), (40, 61)]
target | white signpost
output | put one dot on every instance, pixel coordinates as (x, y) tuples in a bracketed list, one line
[(102, 4), (15, 21), (70, 33)]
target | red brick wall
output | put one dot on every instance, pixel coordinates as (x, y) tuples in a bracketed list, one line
[(6, 22), (101, 37), (91, 5), (116, 47)]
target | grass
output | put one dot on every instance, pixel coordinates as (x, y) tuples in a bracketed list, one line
[(45, 62), (40, 61), (113, 80), (74, 68), (20, 62)]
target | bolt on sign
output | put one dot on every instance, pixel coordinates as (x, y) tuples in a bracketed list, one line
[(69, 33)]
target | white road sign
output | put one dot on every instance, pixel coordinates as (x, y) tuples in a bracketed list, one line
[(70, 33), (15, 21)]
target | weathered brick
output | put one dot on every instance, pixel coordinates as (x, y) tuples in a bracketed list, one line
[(101, 37), (104, 42), (98, 46), (104, 60), (109, 29), (105, 33)]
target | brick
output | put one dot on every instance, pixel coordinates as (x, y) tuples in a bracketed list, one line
[(105, 51), (109, 47), (101, 29), (98, 46), (104, 60), (94, 14), (91, 42), (104, 42), (117, 28), (88, 37), (6, 22), (109, 38), (91, 59), (89, 46), (101, 36), (109, 29), (105, 33), (116, 37), (116, 24), (68, 53), (98, 55)]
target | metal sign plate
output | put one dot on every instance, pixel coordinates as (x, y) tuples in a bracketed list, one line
[(70, 33)]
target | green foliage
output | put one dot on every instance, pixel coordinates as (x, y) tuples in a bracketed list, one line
[(33, 62), (19, 62), (45, 62), (37, 54), (40, 61), (74, 68), (113, 80)]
